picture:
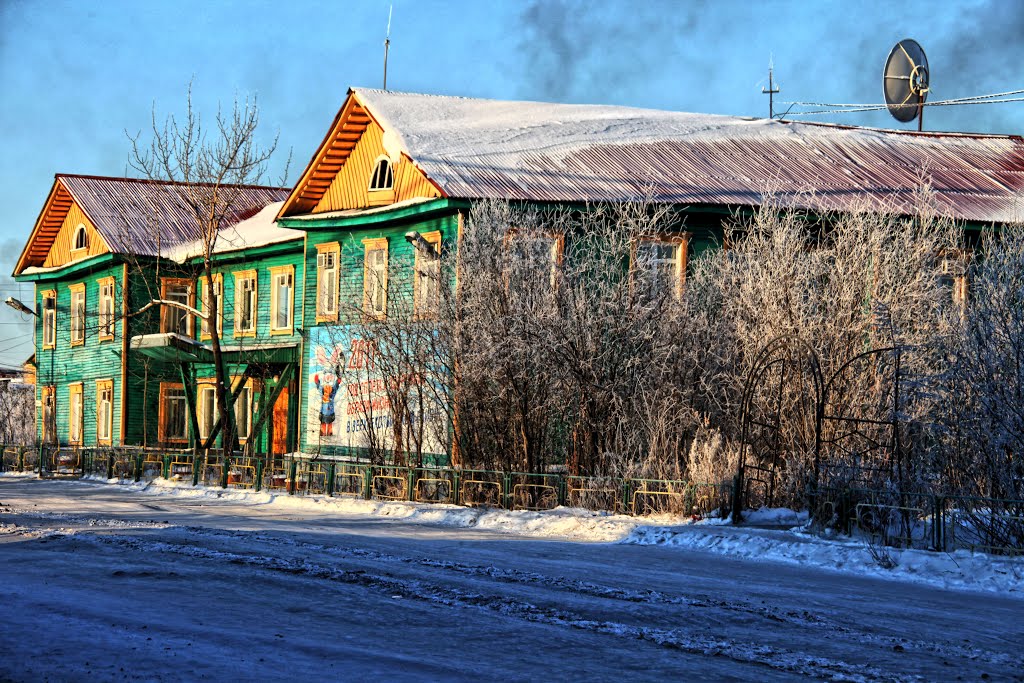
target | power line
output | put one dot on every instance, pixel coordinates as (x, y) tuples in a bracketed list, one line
[(845, 108)]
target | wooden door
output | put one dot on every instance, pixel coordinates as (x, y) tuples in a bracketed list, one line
[(280, 419)]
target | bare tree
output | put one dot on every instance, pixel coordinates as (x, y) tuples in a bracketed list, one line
[(211, 168)]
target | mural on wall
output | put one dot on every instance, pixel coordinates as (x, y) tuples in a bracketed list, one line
[(350, 405)]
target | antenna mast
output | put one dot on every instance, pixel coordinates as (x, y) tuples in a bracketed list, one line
[(387, 44), (770, 92)]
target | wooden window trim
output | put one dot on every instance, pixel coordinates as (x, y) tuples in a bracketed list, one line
[(434, 239), (372, 244), (49, 391), (682, 243), (328, 248), (102, 384), (274, 272), (43, 296), (101, 283), (205, 384), (381, 195), (218, 279), (77, 288), (165, 282), (241, 275), (165, 388), (79, 252), (236, 386), (557, 238), (73, 389)]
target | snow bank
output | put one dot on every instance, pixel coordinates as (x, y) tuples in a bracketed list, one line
[(787, 542)]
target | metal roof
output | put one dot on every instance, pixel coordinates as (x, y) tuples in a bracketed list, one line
[(536, 151), (130, 213)]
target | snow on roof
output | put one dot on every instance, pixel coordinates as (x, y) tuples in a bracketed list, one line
[(538, 151), (129, 212), (345, 213), (259, 230)]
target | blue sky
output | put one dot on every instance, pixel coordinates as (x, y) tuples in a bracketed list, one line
[(76, 75)]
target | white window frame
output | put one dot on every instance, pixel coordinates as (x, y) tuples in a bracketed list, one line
[(76, 413), (49, 306), (642, 267), (375, 279), (207, 414), (243, 409), (245, 296), (77, 313), (104, 411), (327, 280), (80, 231), (427, 276), (207, 305), (382, 178), (282, 277), (105, 312)]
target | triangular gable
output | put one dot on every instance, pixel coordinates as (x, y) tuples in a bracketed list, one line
[(50, 244), (338, 175)]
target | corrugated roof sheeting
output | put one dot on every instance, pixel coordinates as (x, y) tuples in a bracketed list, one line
[(577, 153), (130, 214)]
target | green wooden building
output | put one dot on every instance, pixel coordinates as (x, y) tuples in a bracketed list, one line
[(387, 190)]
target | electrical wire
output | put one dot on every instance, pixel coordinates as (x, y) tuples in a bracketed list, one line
[(842, 108)]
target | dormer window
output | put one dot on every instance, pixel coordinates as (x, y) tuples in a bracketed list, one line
[(383, 177), (81, 238)]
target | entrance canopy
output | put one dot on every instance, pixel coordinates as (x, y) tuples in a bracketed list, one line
[(171, 347)]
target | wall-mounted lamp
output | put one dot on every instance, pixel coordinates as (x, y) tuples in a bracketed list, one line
[(416, 240), (18, 306)]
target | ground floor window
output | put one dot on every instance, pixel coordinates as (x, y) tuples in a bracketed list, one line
[(104, 411), (173, 413), (207, 410), (75, 410)]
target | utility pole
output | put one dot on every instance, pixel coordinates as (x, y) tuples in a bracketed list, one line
[(770, 91)]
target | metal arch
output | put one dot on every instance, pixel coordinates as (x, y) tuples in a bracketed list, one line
[(791, 346)]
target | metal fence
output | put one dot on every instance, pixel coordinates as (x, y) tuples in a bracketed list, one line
[(894, 519)]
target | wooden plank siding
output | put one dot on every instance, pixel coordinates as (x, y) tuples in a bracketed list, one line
[(61, 252), (401, 261), (350, 187), (88, 362)]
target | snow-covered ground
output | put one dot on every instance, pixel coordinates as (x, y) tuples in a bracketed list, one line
[(167, 582)]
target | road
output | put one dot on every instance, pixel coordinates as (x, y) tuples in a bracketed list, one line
[(103, 583)]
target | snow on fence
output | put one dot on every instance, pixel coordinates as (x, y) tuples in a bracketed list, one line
[(885, 518)]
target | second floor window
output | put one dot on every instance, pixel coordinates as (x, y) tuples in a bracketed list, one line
[(327, 282), (213, 301), (49, 319), (375, 277), (174, 318), (106, 316), (77, 314), (427, 281), (282, 296), (245, 303)]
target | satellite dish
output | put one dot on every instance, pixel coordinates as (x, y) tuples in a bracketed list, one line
[(905, 81)]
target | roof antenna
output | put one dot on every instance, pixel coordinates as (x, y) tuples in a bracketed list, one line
[(387, 44), (770, 92)]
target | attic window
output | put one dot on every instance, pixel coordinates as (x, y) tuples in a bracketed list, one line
[(81, 240), (383, 177)]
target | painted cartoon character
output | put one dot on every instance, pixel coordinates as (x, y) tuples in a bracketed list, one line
[(328, 390), (327, 381)]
